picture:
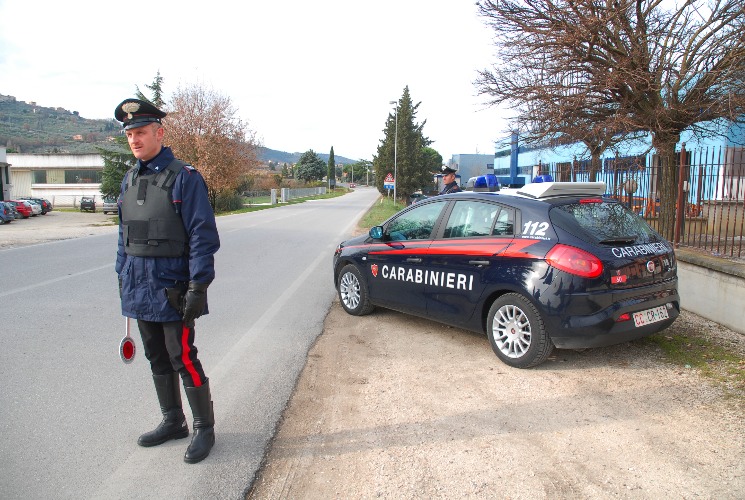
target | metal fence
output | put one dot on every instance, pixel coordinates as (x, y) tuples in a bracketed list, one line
[(710, 206), (288, 194)]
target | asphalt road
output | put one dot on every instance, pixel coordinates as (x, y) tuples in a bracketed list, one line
[(71, 411)]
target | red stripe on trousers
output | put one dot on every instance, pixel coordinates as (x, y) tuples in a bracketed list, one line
[(185, 359)]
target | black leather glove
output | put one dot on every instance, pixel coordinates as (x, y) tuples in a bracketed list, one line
[(195, 300)]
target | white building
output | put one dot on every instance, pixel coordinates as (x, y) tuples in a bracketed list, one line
[(61, 178)]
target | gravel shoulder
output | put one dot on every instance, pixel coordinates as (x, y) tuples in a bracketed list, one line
[(394, 406)]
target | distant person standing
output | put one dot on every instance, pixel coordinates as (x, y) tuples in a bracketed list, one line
[(165, 262), (448, 178)]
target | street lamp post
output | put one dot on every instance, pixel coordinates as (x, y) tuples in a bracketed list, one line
[(395, 154)]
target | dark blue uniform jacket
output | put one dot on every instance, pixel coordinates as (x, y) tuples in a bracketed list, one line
[(144, 279)]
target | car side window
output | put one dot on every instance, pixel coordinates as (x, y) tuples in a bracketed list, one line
[(415, 224), (471, 219), (505, 223)]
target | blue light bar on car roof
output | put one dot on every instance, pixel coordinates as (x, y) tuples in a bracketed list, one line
[(488, 182)]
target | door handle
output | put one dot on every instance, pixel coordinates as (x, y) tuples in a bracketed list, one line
[(479, 262), (415, 260)]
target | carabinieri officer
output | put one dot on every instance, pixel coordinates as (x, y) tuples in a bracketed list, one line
[(448, 179), (165, 262)]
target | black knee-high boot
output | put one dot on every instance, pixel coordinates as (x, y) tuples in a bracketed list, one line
[(173, 425), (203, 439)]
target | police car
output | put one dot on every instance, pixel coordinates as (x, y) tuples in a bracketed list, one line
[(551, 264)]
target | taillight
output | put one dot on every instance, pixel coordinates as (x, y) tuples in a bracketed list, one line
[(575, 261)]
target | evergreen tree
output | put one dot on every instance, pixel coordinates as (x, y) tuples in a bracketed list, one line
[(157, 92), (310, 167), (116, 162), (412, 168), (331, 170)]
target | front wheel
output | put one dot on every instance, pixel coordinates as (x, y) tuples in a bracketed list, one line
[(353, 293), (517, 333)]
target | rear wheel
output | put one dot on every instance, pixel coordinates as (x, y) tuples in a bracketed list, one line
[(353, 291), (517, 333)]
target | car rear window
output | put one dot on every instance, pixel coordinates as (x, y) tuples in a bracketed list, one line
[(602, 222)]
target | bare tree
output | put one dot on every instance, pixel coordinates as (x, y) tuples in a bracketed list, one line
[(626, 65), (203, 130)]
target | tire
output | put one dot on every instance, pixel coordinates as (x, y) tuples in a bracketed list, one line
[(352, 290), (517, 333)]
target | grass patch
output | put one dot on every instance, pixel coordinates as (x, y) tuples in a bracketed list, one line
[(714, 361), (379, 212)]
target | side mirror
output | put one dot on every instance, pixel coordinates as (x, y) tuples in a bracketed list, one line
[(376, 232)]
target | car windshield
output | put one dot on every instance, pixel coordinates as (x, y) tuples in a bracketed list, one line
[(602, 222)]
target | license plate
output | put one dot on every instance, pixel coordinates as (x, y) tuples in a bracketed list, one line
[(650, 316)]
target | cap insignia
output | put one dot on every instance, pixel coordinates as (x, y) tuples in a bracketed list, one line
[(129, 108)]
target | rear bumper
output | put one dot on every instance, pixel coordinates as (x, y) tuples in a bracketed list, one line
[(605, 328)]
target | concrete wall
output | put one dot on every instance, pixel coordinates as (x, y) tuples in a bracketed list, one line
[(712, 287)]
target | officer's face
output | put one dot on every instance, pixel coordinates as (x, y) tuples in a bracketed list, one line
[(145, 142), (448, 178)]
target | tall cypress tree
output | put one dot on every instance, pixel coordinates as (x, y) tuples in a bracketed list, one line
[(331, 169)]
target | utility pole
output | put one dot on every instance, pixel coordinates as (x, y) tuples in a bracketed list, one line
[(395, 154)]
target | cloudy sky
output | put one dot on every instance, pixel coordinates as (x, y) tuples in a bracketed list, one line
[(303, 74)]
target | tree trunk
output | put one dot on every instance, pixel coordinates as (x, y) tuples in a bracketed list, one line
[(665, 146), (594, 166)]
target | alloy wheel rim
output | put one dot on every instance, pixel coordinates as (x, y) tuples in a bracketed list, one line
[(512, 331), (349, 288)]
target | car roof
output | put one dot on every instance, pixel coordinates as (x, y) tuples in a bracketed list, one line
[(531, 193)]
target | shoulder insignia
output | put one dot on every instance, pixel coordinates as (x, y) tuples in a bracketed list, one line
[(189, 167)]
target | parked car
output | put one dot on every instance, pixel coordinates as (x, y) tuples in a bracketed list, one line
[(46, 205), (87, 204), (110, 205), (35, 207), (552, 264), (6, 215), (12, 209), (23, 208)]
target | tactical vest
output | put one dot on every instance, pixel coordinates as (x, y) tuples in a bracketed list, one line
[(151, 221)]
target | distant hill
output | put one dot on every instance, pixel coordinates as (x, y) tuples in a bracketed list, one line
[(28, 128), (280, 157)]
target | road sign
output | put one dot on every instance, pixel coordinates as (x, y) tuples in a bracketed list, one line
[(389, 182)]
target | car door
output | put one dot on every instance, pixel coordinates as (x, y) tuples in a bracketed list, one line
[(459, 266), (397, 268)]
